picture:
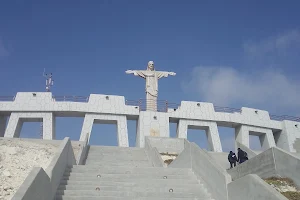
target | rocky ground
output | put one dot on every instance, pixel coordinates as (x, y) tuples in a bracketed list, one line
[(168, 157), (17, 158), (285, 186)]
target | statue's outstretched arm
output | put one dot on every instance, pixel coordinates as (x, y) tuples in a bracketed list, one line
[(164, 74), (136, 73)]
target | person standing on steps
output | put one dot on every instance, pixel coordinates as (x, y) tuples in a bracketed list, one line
[(232, 159), (242, 156)]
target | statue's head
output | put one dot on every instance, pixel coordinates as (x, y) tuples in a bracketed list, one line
[(150, 66)]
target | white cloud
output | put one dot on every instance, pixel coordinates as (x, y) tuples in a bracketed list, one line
[(3, 51), (266, 88), (227, 86), (275, 45)]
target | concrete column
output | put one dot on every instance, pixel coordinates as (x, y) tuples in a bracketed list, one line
[(213, 137), (182, 129), (211, 130), (86, 127), (287, 137), (122, 132), (49, 123), (14, 126), (120, 121), (267, 140), (241, 136), (3, 120)]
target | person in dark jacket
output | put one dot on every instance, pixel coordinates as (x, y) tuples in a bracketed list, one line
[(242, 156), (232, 159)]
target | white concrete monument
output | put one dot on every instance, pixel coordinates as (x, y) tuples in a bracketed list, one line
[(151, 77)]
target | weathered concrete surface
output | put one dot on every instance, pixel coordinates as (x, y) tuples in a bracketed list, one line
[(205, 168), (164, 145), (214, 176), (263, 165), (63, 159), (287, 165), (221, 158), (153, 154), (36, 186), (251, 187)]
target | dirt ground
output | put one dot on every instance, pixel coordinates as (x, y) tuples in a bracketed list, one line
[(17, 158)]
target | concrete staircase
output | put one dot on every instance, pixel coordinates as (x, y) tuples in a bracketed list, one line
[(115, 173)]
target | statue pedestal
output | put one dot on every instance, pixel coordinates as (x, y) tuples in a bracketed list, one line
[(154, 124)]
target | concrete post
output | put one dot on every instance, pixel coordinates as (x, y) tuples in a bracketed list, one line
[(3, 120), (14, 126), (241, 136)]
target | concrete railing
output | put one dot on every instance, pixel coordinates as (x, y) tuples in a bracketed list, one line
[(205, 168), (36, 186), (249, 151), (252, 187), (82, 155), (42, 185), (272, 162), (63, 159), (153, 154)]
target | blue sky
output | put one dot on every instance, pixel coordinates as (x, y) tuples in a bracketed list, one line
[(230, 53)]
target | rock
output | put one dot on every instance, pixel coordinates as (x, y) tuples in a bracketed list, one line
[(6, 173)]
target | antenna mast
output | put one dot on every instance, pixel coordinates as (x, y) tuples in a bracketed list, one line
[(49, 83)]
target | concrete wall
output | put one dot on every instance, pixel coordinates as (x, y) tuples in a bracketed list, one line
[(36, 186), (164, 145), (32, 105), (205, 168), (287, 165), (153, 154), (63, 159), (263, 165), (251, 187)]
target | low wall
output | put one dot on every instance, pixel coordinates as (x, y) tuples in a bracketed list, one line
[(153, 154), (263, 165), (287, 165), (214, 176), (163, 145), (251, 187), (35, 187), (63, 159), (82, 154), (205, 168)]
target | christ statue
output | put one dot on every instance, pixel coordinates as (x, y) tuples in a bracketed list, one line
[(151, 77)]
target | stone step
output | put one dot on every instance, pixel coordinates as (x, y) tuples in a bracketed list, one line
[(129, 183), (127, 177), (136, 187), (100, 193), (121, 164), (64, 197), (117, 157), (112, 149), (129, 170), (154, 188), (115, 161)]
